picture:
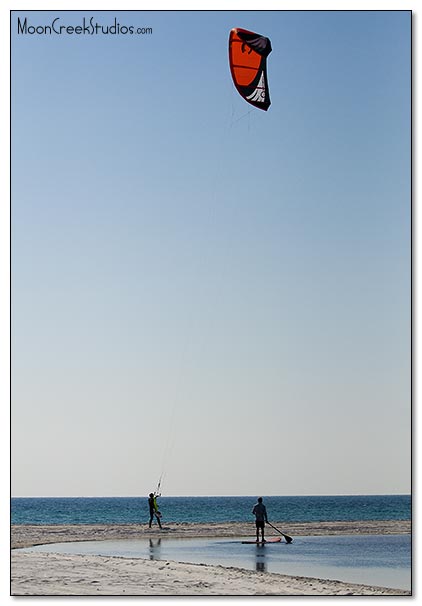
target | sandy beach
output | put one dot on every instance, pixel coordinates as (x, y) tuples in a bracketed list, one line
[(62, 574)]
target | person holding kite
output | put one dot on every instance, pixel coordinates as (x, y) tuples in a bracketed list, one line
[(153, 509)]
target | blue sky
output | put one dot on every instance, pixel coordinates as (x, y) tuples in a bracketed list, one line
[(202, 288)]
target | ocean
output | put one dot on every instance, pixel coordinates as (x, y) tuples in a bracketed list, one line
[(134, 510)]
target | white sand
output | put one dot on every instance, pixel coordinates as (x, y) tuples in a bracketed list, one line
[(61, 574)]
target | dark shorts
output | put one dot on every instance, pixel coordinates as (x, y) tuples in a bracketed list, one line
[(260, 524)]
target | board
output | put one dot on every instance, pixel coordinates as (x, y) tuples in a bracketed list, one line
[(271, 540)]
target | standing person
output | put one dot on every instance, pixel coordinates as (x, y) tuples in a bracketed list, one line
[(260, 513), (153, 509)]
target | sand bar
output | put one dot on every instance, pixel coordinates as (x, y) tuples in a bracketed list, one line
[(62, 574), (29, 535)]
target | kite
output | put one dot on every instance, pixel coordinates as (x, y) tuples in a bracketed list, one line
[(248, 54)]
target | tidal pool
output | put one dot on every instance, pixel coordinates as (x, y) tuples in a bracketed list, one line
[(382, 560)]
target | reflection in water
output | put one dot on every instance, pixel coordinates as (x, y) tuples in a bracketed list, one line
[(382, 560), (260, 563), (154, 549)]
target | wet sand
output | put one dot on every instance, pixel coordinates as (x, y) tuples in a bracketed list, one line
[(61, 574)]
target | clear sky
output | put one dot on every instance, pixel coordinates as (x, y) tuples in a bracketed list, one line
[(202, 288)]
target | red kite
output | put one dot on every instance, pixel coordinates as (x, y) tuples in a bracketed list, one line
[(248, 54)]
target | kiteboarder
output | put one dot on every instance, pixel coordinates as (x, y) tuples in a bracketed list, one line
[(260, 513), (153, 509)]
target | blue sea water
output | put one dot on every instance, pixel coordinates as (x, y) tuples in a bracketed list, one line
[(134, 510)]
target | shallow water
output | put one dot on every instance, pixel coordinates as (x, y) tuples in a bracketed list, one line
[(370, 560)]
